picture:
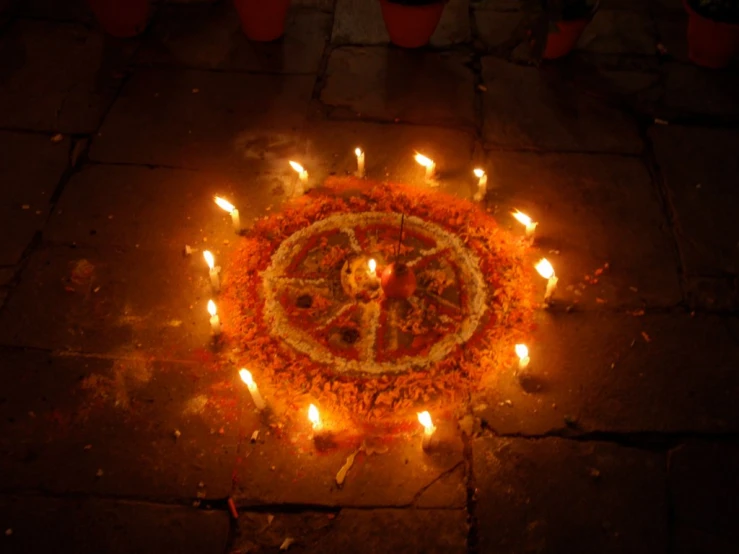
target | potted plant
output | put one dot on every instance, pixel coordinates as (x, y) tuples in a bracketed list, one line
[(713, 31), (556, 25), (263, 20), (121, 18), (410, 23)]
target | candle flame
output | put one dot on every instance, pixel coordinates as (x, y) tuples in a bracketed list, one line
[(224, 204), (358, 151), (521, 218), (296, 166), (423, 160), (246, 377), (545, 269), (522, 351), (372, 264), (478, 173), (212, 308), (313, 416), (425, 419), (209, 259)]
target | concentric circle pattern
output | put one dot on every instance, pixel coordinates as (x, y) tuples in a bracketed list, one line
[(303, 310)]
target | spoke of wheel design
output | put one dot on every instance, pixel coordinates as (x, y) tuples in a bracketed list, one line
[(423, 254), (343, 309), (353, 242), (439, 299), (299, 281), (370, 321)]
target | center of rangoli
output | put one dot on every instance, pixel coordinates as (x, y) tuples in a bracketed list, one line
[(322, 299)]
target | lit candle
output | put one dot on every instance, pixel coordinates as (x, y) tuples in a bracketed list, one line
[(302, 178), (525, 220), (482, 185), (546, 270), (360, 162), (314, 417), (523, 356), (215, 281), (227, 206), (246, 377), (428, 429), (215, 322), (429, 165), (372, 266)]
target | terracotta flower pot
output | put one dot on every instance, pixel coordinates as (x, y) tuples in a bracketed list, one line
[(398, 281), (411, 26), (121, 18), (263, 20), (562, 42), (711, 43)]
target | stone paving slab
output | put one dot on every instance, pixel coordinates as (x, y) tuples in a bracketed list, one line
[(360, 531), (107, 426), (202, 119), (30, 169), (699, 167), (389, 151), (496, 28), (704, 486), (591, 210), (620, 32), (108, 300), (554, 495), (497, 5), (405, 85), (210, 37), (61, 77), (149, 209), (360, 22), (69, 10), (287, 468), (691, 90), (620, 373), (87, 526), (638, 89), (674, 36), (526, 107)]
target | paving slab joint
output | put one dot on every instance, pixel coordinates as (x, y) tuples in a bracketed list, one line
[(471, 485)]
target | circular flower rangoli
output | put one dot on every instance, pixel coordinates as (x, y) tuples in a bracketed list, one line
[(303, 311)]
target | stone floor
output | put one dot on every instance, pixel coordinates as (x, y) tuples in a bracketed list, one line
[(116, 433)]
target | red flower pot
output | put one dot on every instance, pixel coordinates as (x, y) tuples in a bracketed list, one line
[(411, 26), (263, 20), (398, 281), (711, 43), (562, 42), (121, 18)]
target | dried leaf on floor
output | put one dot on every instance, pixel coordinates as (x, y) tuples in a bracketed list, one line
[(341, 475), (286, 543)]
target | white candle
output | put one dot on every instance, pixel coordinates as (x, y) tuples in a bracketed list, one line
[(546, 270), (482, 185), (360, 162), (526, 221), (522, 352), (302, 178), (215, 281), (315, 418), (429, 165), (227, 206), (256, 396), (215, 322), (428, 429)]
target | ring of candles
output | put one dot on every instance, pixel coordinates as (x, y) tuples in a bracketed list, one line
[(328, 228)]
